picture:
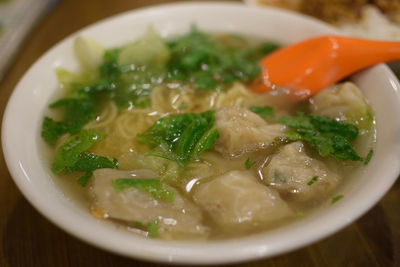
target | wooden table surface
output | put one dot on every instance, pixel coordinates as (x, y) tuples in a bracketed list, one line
[(28, 239)]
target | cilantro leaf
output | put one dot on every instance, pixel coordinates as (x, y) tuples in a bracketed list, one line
[(300, 214), (51, 130), (211, 61), (109, 68), (321, 124), (126, 86), (69, 153), (77, 112), (264, 112), (83, 180), (152, 186), (314, 179), (327, 136), (181, 137), (153, 229), (369, 156), (336, 198), (88, 163), (248, 164), (138, 224), (71, 157)]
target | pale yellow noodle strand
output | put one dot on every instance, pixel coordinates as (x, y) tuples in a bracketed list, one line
[(108, 114), (122, 127), (160, 100), (237, 95)]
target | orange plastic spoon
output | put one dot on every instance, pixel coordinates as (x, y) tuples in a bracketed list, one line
[(312, 65)]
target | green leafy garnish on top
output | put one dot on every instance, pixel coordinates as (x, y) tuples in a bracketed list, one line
[(89, 162), (153, 229), (336, 198), (210, 61), (126, 75), (152, 186), (71, 155), (77, 112), (264, 112), (68, 154), (329, 137), (123, 76), (248, 164), (181, 137), (313, 180), (300, 214), (369, 156), (128, 86)]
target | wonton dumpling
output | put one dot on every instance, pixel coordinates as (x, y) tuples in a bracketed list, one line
[(242, 131), (344, 102), (237, 199), (177, 219), (291, 169)]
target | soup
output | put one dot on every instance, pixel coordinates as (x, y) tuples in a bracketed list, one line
[(166, 138)]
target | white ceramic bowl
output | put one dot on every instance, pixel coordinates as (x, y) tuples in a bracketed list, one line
[(23, 117)]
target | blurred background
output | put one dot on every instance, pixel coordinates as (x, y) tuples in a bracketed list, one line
[(370, 19), (28, 28)]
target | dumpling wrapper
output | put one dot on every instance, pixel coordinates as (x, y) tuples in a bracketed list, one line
[(242, 131), (179, 219), (344, 102), (237, 201), (291, 170)]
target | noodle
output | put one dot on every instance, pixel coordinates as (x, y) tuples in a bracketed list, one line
[(122, 127)]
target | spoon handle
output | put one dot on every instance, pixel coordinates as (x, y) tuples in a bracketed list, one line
[(356, 54)]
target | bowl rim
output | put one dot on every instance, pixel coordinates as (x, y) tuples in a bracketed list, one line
[(184, 252)]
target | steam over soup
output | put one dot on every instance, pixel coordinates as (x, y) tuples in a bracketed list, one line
[(166, 138)]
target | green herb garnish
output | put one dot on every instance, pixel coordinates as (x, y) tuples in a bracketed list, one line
[(88, 163), (300, 214), (181, 137), (264, 112), (77, 112), (314, 179), (127, 87), (328, 136), (128, 74), (152, 186), (209, 61), (71, 156), (336, 198), (248, 164), (369, 156), (138, 224), (153, 229), (69, 153)]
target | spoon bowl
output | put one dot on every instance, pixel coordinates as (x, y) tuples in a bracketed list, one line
[(309, 66)]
